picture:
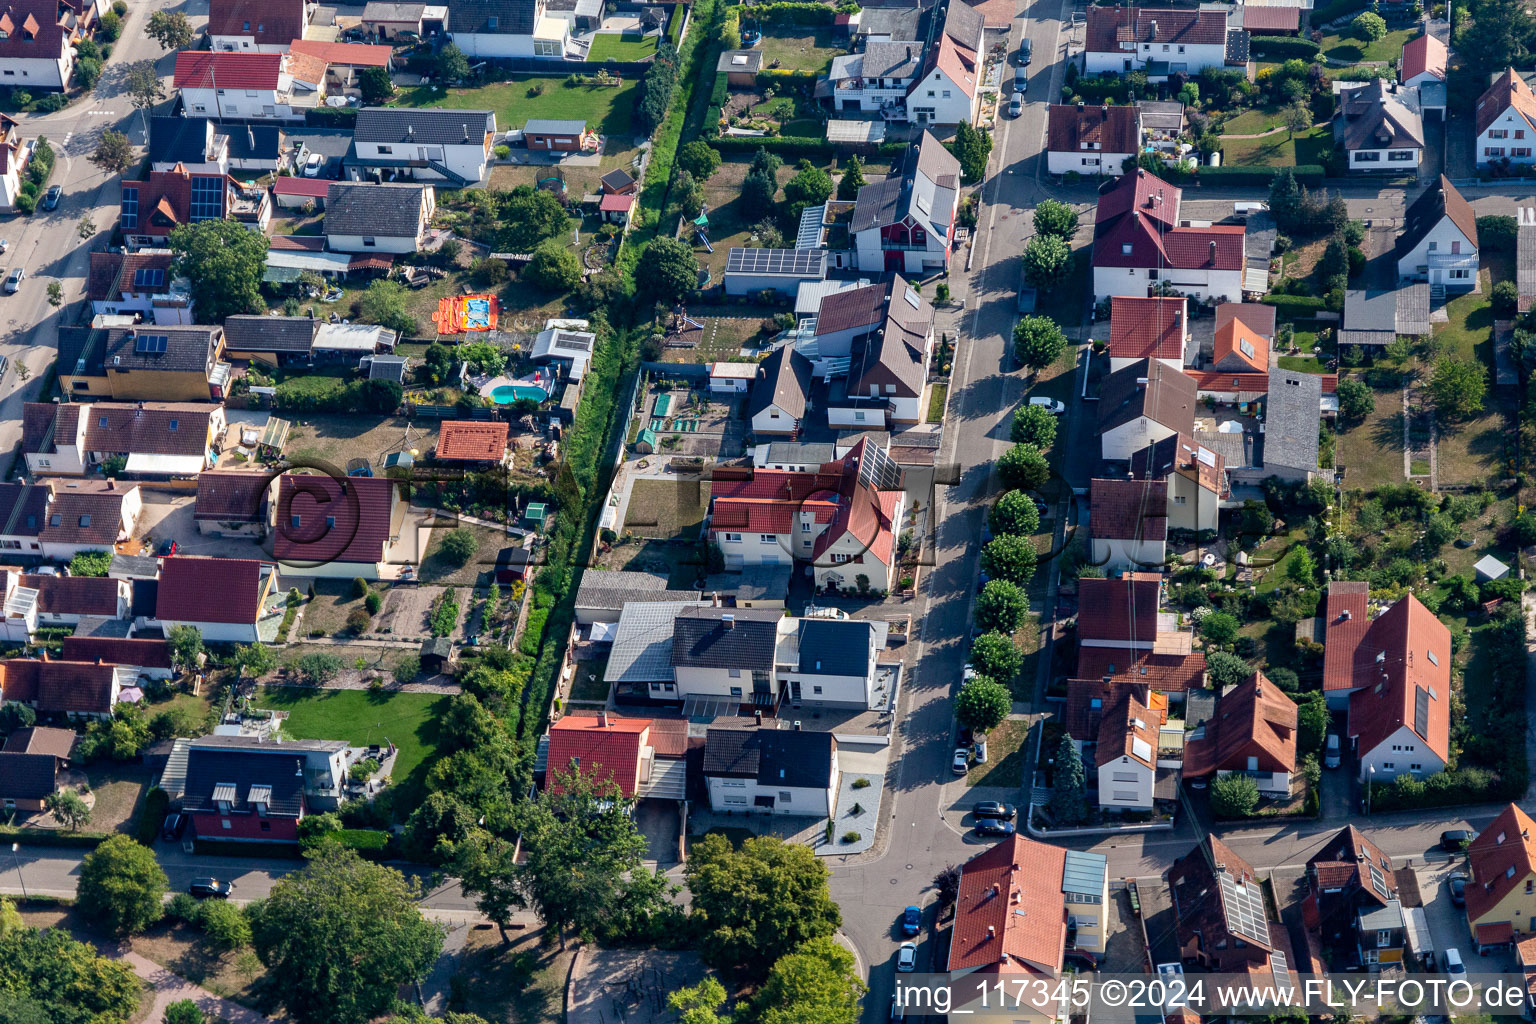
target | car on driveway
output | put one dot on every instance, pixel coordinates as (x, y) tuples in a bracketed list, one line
[(1455, 840), (206, 888), (171, 828), (1051, 405), (994, 809), (962, 761), (52, 196), (911, 921), (994, 828), (906, 958), (312, 165), (1457, 884)]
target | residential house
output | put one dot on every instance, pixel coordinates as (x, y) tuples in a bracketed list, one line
[(154, 206), (255, 26), (350, 343), (1143, 328), (1253, 733), (1381, 936), (754, 271), (566, 346), (510, 28), (1161, 41), (337, 528), (139, 284), (1089, 700), (602, 593), (1238, 347), (843, 520), (149, 363), (1501, 889), (250, 792), (905, 222), (35, 51), (232, 504), (730, 378), (369, 217), (1142, 404), (834, 663), (639, 757), (615, 207), (1129, 523), (883, 335), (1139, 243), (344, 63), (1344, 620), (1126, 756), (727, 654), (23, 509), (882, 24), (619, 182), (1221, 921), (1378, 316), (1292, 416), (88, 515), (225, 85), (224, 599), (780, 394), (1087, 139), (640, 655), (1424, 63), (155, 439), (390, 21), (480, 443), (150, 657), (30, 763), (72, 689), (1506, 122), (1399, 710), (1195, 477), (1348, 878), (948, 91), (1124, 637), (15, 155), (876, 80), (771, 771), (420, 144), (547, 135), (1438, 242), (271, 340), (1379, 125)]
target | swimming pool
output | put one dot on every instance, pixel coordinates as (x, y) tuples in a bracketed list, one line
[(477, 314), (506, 394)]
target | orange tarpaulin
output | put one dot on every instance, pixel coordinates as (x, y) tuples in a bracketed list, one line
[(456, 314)]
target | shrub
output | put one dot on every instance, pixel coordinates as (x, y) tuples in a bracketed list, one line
[(183, 907), (225, 925), (861, 783), (1234, 796), (358, 620), (1505, 298), (850, 836), (502, 152), (373, 602), (460, 545)]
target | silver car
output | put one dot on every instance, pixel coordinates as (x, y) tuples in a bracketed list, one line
[(1016, 105)]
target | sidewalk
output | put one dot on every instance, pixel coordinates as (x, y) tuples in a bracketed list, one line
[(170, 988)]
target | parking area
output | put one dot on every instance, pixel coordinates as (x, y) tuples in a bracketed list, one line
[(170, 516), (1448, 922)]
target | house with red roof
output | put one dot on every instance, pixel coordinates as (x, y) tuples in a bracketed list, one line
[(257, 26), (1221, 919), (337, 528), (472, 442), (160, 202), (1140, 243), (1125, 754), (31, 602), (254, 86), (1252, 732), (224, 599), (1501, 892), (1399, 705), (35, 51), (1195, 479), (72, 689), (343, 63), (1506, 122), (1161, 41), (1424, 63), (1143, 327), (1123, 636), (1349, 876), (606, 748), (1095, 139), (1129, 523)]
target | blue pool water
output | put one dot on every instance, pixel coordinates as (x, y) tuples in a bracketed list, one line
[(506, 394)]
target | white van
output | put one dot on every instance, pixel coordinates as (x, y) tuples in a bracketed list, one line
[(1331, 752), (1453, 964)]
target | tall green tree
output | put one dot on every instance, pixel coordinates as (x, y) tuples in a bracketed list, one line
[(383, 302), (1234, 795), (186, 646), (983, 704), (1023, 468), (1033, 425), (1457, 388), (668, 271), (996, 656), (452, 65), (528, 216), (141, 82), (1047, 261), (46, 977), (1054, 217), (852, 180), (225, 262), (1069, 792), (114, 153), (699, 159), (758, 190), (816, 984), (1285, 199), (757, 903), (1038, 341), (121, 886), (1001, 605), (1015, 512), (343, 935), (809, 187), (170, 29), (375, 85), (971, 147), (1010, 557), (68, 809), (699, 1004), (554, 267)]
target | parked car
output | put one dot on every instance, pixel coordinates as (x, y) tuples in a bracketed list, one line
[(205, 888), (1457, 883), (994, 809), (911, 921), (166, 548), (171, 828), (1456, 839), (906, 958), (993, 827), (13, 280), (1016, 104), (1331, 751), (1453, 962), (52, 196), (1026, 51), (961, 763), (5, 245), (45, 570), (979, 748), (5, 364), (964, 737), (1020, 79), (313, 164)]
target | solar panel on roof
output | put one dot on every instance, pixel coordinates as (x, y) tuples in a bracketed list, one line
[(1378, 881), (1421, 711), (151, 344), (775, 261), (149, 277), (1244, 909), (1280, 969)]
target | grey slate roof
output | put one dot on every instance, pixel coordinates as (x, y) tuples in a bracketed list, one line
[(895, 22), (254, 142), (27, 776), (270, 333), (100, 626), (784, 380), (504, 17), (1378, 115), (1291, 417), (833, 647), (428, 126), (387, 368), (1376, 317), (892, 60), (740, 638), (209, 768), (752, 582), (178, 139), (777, 757), (390, 209), (128, 566), (186, 349), (752, 64), (611, 588), (22, 507), (801, 453), (546, 126), (642, 643)]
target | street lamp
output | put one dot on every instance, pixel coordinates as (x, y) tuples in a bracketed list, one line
[(1368, 780), (15, 856)]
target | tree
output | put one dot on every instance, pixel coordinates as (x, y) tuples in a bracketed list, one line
[(983, 704), (996, 656), (1369, 26), (1010, 557), (225, 262), (971, 147), (1457, 388), (1023, 468), (1297, 117), (1311, 723), (23, 372), (656, 89), (487, 870), (1505, 298), (1234, 795), (121, 885), (754, 904), (1047, 261), (459, 545), (87, 72), (186, 646), (171, 30), (142, 84), (1015, 512), (183, 1011), (528, 217), (225, 925), (68, 809), (1226, 669), (1033, 425), (114, 153), (809, 187), (699, 1004), (699, 159), (86, 228), (318, 667), (1499, 36), (383, 303), (90, 563), (1054, 217), (342, 905), (554, 267), (16, 715), (668, 271), (375, 85), (1219, 628), (10, 918), (757, 194), (852, 180), (1356, 399), (1001, 605), (1285, 199), (1038, 341), (46, 977), (452, 65), (1069, 799), (55, 294), (818, 983)]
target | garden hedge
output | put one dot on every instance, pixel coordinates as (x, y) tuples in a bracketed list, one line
[(50, 837), (1306, 174), (787, 13), (793, 145), (1282, 48), (1497, 233), (157, 803)]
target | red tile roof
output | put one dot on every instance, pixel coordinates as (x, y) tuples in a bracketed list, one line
[(1509, 842), (270, 22), (32, 29), (606, 748), (289, 185), (321, 519), (613, 202), (1108, 27), (1271, 19), (1507, 91), (80, 687), (1147, 328), (1423, 54), (1254, 723), (1010, 914), (209, 590), (1345, 620), (204, 69), (1169, 673), (357, 55), (1121, 509), (74, 595), (1087, 700), (231, 497), (1416, 660), (1259, 316), (1137, 226), (1121, 727), (1245, 347), (1123, 610), (472, 440), (957, 62), (18, 679), (1099, 128), (305, 67), (107, 268), (140, 652), (1254, 383)]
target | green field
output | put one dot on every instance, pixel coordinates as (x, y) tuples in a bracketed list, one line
[(408, 720), (608, 109), (1349, 47), (622, 46), (1278, 150)]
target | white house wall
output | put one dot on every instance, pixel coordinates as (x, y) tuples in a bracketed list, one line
[(1085, 161), (1126, 784), (1122, 442), (1508, 122), (32, 73), (1412, 750)]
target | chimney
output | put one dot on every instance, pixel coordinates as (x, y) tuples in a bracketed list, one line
[(757, 717), (991, 931), (1104, 110), (410, 131), (1080, 105), (797, 725), (728, 621), (1213, 252), (602, 719), (298, 768)]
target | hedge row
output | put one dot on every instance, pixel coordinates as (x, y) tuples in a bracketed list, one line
[(1297, 302), (1306, 174), (787, 13), (50, 837), (1282, 48), (779, 77), (794, 145), (157, 803)]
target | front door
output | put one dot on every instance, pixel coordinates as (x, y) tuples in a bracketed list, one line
[(895, 260)]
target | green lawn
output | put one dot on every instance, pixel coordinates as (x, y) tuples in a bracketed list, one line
[(1469, 332), (785, 48), (1351, 48), (608, 109), (622, 46), (1303, 364), (408, 720), (1278, 150), (1255, 121)]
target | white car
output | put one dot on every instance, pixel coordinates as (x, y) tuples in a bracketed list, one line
[(962, 761), (313, 164), (1050, 405), (13, 280), (1016, 105), (906, 958)]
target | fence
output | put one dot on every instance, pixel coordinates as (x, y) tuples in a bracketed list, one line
[(689, 371)]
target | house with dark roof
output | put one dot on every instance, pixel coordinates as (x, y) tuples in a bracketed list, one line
[(906, 221), (1348, 877), (74, 689), (1148, 327), (253, 789), (224, 599), (31, 602), (880, 337), (1292, 416), (1506, 122), (437, 145), (196, 143), (1438, 242), (232, 504), (1221, 919), (337, 528), (144, 363), (157, 440), (1252, 732), (1095, 139), (1161, 41), (271, 340), (1195, 480), (771, 771), (602, 594), (255, 26), (1399, 709), (362, 216), (1379, 125), (1499, 893), (873, 80), (35, 45), (388, 20), (835, 663), (779, 393), (1129, 523), (138, 284), (512, 28), (88, 515), (1142, 404), (728, 654), (1140, 241), (30, 763)]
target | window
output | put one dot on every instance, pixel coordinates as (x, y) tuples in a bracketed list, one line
[(368, 241), (765, 538), (736, 801), (930, 94), (1181, 49), (859, 416), (330, 522), (546, 48), (1125, 249), (386, 150), (1455, 251), (1415, 767), (245, 26), (1522, 151), (1383, 938), (225, 823), (1179, 499), (295, 522), (493, 23), (839, 559), (1124, 796), (735, 691), (1388, 766), (1400, 155), (817, 691), (1124, 776), (784, 796), (1493, 151), (266, 826), (1498, 133), (805, 527), (1367, 158), (734, 673), (733, 538), (1165, 47)]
